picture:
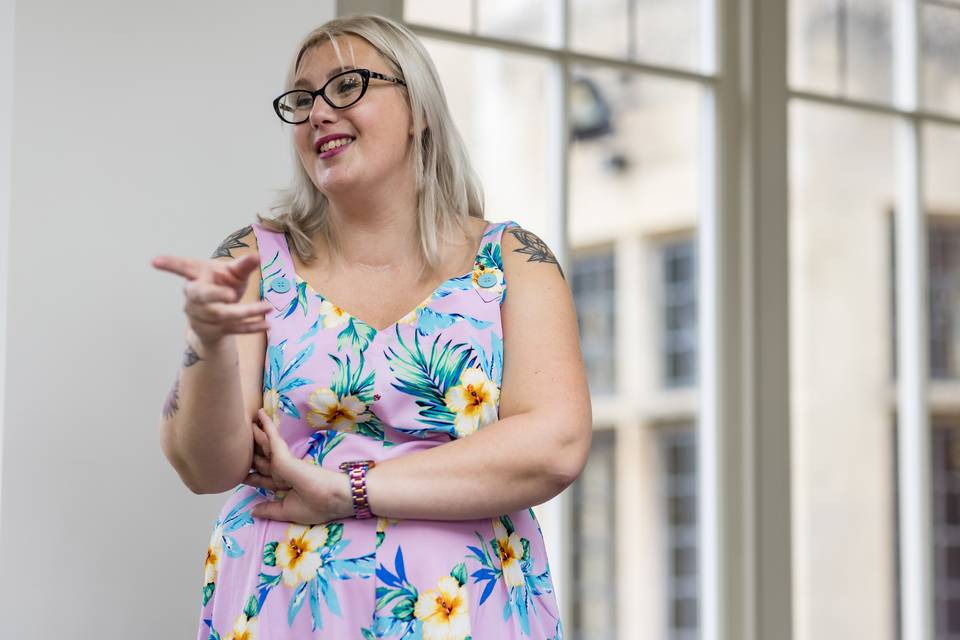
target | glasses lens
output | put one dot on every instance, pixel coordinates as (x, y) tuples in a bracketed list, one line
[(295, 106), (345, 89)]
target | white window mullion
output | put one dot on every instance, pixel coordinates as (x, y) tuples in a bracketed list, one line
[(913, 433)]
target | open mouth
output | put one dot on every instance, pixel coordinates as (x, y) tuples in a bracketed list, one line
[(334, 145)]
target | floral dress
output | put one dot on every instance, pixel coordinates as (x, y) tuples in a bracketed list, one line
[(341, 390)]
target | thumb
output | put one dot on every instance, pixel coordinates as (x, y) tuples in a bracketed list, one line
[(271, 510)]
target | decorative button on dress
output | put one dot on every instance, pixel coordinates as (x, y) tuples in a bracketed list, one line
[(341, 390)]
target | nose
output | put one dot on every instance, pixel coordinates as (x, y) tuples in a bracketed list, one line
[(321, 112)]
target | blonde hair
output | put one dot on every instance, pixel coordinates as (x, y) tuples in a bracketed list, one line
[(448, 190)]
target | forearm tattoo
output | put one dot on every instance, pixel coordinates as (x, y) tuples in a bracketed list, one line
[(534, 247), (232, 241), (190, 357), (170, 405)]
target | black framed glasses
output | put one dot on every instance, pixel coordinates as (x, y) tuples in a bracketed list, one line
[(341, 91)]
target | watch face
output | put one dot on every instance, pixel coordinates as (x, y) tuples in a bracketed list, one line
[(346, 466)]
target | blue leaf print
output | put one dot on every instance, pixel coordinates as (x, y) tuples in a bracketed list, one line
[(430, 321), (398, 564), (315, 606), (322, 443), (213, 632), (461, 283), (277, 378), (344, 569), (492, 365), (299, 597), (329, 596), (312, 331), (299, 301)]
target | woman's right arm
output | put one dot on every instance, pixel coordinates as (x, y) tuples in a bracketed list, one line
[(206, 429)]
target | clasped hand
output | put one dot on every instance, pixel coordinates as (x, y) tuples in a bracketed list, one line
[(309, 494)]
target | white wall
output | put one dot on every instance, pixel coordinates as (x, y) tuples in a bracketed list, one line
[(118, 156), (6, 138)]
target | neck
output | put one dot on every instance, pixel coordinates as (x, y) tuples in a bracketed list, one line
[(376, 229)]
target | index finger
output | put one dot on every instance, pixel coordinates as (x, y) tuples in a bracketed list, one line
[(186, 267), (243, 266)]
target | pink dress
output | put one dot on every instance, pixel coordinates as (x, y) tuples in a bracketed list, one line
[(341, 390)]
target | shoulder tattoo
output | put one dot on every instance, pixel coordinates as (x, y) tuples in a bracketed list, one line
[(534, 247), (232, 241)]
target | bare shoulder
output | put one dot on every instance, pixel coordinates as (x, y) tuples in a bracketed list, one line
[(524, 252), (239, 243)]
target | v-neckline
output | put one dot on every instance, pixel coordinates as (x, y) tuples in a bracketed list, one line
[(396, 323)]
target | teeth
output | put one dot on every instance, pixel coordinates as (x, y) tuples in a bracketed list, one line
[(333, 144)]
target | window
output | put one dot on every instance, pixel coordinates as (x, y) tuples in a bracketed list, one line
[(944, 257), (592, 280), (679, 281), (679, 457), (594, 543), (946, 527)]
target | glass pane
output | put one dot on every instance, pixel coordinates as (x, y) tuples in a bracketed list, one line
[(594, 534), (445, 14), (592, 279), (942, 192), (481, 86), (667, 32), (945, 486), (941, 58), (533, 21), (842, 199), (599, 27), (842, 48), (680, 488)]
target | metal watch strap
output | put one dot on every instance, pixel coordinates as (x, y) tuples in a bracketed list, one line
[(356, 470)]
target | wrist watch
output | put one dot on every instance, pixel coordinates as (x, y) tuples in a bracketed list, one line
[(356, 470)]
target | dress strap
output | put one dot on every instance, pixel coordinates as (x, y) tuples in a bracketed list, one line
[(494, 232), (278, 283)]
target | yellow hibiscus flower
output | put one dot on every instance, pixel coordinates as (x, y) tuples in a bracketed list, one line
[(333, 316), (474, 401), (214, 553), (328, 411), (510, 550), (444, 611), (271, 403), (297, 556), (243, 629)]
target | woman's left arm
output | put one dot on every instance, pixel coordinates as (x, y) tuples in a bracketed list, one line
[(540, 443), (533, 452)]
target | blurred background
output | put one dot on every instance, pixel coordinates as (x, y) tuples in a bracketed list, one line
[(756, 204)]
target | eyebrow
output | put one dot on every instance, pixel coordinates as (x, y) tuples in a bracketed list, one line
[(303, 82)]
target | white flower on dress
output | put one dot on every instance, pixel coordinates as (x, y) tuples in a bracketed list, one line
[(474, 401), (329, 411), (510, 550), (332, 315), (214, 554), (243, 629), (297, 555), (444, 611)]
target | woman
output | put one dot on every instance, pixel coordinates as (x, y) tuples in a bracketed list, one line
[(358, 382)]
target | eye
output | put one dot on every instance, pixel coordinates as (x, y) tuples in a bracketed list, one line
[(301, 100), (347, 84)]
